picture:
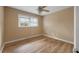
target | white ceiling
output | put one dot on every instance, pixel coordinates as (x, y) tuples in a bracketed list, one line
[(33, 9)]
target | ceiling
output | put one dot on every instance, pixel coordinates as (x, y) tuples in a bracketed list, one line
[(33, 9)]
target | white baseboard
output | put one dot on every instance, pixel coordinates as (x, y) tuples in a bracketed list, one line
[(75, 49), (23, 38), (57, 38), (39, 35), (2, 48), (36, 36)]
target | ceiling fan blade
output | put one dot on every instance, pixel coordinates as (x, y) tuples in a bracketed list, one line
[(42, 7), (39, 11), (45, 10)]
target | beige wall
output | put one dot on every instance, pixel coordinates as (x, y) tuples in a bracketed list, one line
[(1, 25), (60, 24), (12, 31)]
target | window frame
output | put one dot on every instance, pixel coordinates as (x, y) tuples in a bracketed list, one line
[(29, 22)]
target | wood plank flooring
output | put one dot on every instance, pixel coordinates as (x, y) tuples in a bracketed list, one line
[(40, 44)]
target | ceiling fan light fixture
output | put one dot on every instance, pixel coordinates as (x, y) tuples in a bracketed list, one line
[(41, 9)]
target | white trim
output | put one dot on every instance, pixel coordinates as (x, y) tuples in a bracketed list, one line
[(74, 27), (57, 38), (39, 35), (36, 36), (23, 38), (2, 48), (74, 50)]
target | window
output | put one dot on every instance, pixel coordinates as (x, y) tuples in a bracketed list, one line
[(33, 22), (25, 21)]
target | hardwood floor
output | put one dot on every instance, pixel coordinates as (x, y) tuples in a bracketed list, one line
[(39, 44)]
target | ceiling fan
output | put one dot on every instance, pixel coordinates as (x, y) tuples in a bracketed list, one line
[(41, 9)]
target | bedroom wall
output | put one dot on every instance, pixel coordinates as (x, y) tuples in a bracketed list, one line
[(12, 31), (1, 27), (60, 24)]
